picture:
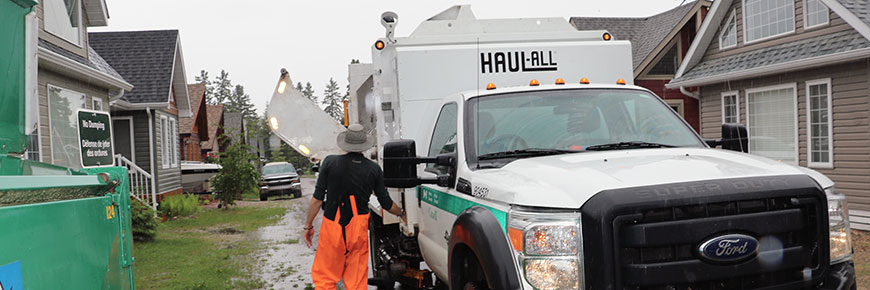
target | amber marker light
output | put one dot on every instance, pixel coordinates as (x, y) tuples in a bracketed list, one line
[(606, 36), (490, 86), (534, 83), (584, 81), (516, 237), (560, 81), (379, 45), (620, 82)]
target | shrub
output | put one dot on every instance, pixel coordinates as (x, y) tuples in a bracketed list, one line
[(179, 205), (144, 222), (237, 174)]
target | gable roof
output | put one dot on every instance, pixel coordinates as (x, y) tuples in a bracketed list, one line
[(197, 93), (645, 33), (816, 51), (144, 58), (215, 115)]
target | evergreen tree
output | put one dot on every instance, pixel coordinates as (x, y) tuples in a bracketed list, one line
[(299, 86), (222, 88), (308, 92), (239, 101), (202, 78), (332, 99)]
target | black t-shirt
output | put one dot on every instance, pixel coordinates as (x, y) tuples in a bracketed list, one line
[(343, 175)]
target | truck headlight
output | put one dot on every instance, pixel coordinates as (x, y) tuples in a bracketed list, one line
[(548, 247), (838, 218)]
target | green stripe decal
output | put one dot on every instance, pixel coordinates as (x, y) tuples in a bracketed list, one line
[(455, 205)]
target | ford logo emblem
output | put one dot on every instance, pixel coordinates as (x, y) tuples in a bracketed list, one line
[(729, 248)]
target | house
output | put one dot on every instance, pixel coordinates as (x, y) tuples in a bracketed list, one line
[(70, 75), (658, 44), (795, 72), (234, 127), (213, 146), (194, 129), (149, 113)]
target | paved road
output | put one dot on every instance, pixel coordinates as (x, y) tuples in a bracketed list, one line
[(285, 262)]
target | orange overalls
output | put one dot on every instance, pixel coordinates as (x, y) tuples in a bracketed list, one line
[(342, 251)]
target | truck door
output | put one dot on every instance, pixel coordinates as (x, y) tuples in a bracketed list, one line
[(435, 221)]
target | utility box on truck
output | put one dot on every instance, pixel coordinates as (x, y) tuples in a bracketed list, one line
[(60, 228), (526, 159)]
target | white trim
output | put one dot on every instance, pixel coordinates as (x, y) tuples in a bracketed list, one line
[(721, 31), (132, 136), (848, 16), (736, 95), (826, 23), (703, 38), (81, 27), (164, 148), (82, 69), (173, 146), (793, 28), (775, 68), (792, 86), (122, 104), (48, 98), (679, 104), (94, 101), (830, 163)]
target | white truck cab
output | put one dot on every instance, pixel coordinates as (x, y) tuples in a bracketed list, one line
[(526, 159)]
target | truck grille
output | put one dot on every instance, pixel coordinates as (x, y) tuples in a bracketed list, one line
[(648, 238), (657, 248)]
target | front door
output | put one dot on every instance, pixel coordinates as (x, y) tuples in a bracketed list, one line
[(123, 137)]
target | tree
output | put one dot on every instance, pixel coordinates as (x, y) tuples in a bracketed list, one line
[(237, 174), (240, 102), (202, 78), (308, 92), (222, 88), (299, 86), (333, 100)]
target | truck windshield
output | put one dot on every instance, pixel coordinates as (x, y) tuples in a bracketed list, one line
[(279, 168), (538, 123)]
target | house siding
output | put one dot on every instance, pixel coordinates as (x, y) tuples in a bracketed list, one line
[(168, 179), (835, 24), (850, 102), (48, 77)]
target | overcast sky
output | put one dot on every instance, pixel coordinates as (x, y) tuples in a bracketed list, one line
[(315, 40)]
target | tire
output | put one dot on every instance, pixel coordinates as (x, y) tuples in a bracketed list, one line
[(473, 286), (472, 276), (263, 197)]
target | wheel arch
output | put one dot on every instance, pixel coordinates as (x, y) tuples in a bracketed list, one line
[(477, 230)]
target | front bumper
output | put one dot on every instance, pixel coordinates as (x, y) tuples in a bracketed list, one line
[(293, 187), (840, 277)]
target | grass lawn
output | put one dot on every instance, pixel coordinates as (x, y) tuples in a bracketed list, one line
[(210, 250)]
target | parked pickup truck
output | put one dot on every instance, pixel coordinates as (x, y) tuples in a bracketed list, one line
[(526, 159), (280, 178)]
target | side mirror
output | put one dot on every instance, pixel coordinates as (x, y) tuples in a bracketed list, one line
[(298, 171), (735, 137), (400, 165)]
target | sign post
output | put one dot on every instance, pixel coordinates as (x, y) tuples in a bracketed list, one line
[(95, 137)]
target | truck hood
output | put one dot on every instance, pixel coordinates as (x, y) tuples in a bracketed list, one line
[(568, 181)]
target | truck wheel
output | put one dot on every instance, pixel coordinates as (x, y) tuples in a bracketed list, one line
[(263, 197), (473, 286), (470, 274)]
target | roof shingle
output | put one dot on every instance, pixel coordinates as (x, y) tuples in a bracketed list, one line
[(94, 59), (144, 58), (197, 92), (215, 114), (861, 9)]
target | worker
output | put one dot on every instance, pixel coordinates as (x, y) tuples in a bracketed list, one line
[(343, 189)]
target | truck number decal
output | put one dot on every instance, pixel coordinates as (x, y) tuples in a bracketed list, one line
[(481, 192), (517, 61), (455, 205)]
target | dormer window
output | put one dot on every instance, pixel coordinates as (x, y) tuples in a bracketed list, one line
[(815, 13), (728, 36), (764, 19), (63, 19)]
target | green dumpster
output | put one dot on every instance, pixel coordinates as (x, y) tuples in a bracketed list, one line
[(60, 228)]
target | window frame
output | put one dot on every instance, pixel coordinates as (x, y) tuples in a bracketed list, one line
[(826, 23), (792, 86), (745, 35), (94, 102), (679, 103), (164, 146), (434, 169), (736, 95), (50, 140), (173, 143), (830, 163), (132, 136), (80, 43), (733, 16)]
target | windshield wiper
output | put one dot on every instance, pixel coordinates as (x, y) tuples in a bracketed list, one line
[(627, 145), (528, 152)]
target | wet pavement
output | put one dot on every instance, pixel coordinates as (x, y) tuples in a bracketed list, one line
[(285, 262)]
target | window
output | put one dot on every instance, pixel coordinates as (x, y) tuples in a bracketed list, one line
[(677, 106), (173, 142), (63, 19), (767, 18), (820, 151), (668, 64), (62, 107), (97, 104), (730, 108), (815, 13), (444, 137), (164, 141), (728, 34), (771, 114)]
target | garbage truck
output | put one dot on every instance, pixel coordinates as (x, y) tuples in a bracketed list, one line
[(525, 158), (60, 228)]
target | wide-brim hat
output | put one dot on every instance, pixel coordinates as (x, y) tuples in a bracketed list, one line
[(355, 139)]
